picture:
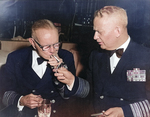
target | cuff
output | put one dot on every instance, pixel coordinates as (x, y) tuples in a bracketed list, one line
[(71, 86), (75, 86), (20, 108), (127, 111)]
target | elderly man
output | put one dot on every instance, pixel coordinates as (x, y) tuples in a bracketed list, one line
[(30, 72), (119, 74)]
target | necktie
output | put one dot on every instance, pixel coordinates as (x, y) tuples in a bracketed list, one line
[(40, 60), (118, 52)]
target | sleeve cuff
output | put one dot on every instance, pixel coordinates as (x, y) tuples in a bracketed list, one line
[(20, 108), (71, 86), (74, 88), (127, 111)]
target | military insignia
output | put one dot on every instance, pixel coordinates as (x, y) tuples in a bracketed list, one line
[(136, 75)]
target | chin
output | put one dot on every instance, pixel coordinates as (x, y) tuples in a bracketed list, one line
[(102, 47)]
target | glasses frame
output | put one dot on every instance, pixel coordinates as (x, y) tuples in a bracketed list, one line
[(46, 45)]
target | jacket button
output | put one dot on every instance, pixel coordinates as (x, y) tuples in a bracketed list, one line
[(54, 111), (56, 82), (121, 99), (52, 101), (52, 91), (101, 97), (33, 91)]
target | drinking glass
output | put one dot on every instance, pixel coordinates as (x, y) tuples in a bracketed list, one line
[(45, 108)]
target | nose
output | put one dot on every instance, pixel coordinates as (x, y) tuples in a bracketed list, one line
[(96, 35), (51, 49)]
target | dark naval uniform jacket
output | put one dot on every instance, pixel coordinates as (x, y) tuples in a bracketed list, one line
[(127, 87), (22, 80)]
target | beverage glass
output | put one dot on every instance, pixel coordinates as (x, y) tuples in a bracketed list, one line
[(45, 108)]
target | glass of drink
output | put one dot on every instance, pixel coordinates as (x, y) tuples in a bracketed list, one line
[(45, 108)]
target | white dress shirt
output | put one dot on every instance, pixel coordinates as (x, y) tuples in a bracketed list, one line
[(39, 69), (114, 59)]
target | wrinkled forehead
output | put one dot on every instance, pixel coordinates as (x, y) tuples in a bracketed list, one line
[(44, 31), (46, 36), (104, 26)]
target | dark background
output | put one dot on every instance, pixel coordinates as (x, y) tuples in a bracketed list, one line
[(75, 17)]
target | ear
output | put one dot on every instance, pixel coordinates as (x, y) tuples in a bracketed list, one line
[(32, 43), (117, 31)]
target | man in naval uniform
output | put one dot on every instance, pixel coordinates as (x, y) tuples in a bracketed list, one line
[(119, 74)]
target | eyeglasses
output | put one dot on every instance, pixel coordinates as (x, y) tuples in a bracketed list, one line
[(46, 47)]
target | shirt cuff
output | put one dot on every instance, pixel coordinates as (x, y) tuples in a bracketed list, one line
[(20, 108), (71, 86)]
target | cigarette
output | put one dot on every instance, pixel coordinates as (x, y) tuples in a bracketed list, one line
[(102, 114), (56, 58), (96, 114)]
